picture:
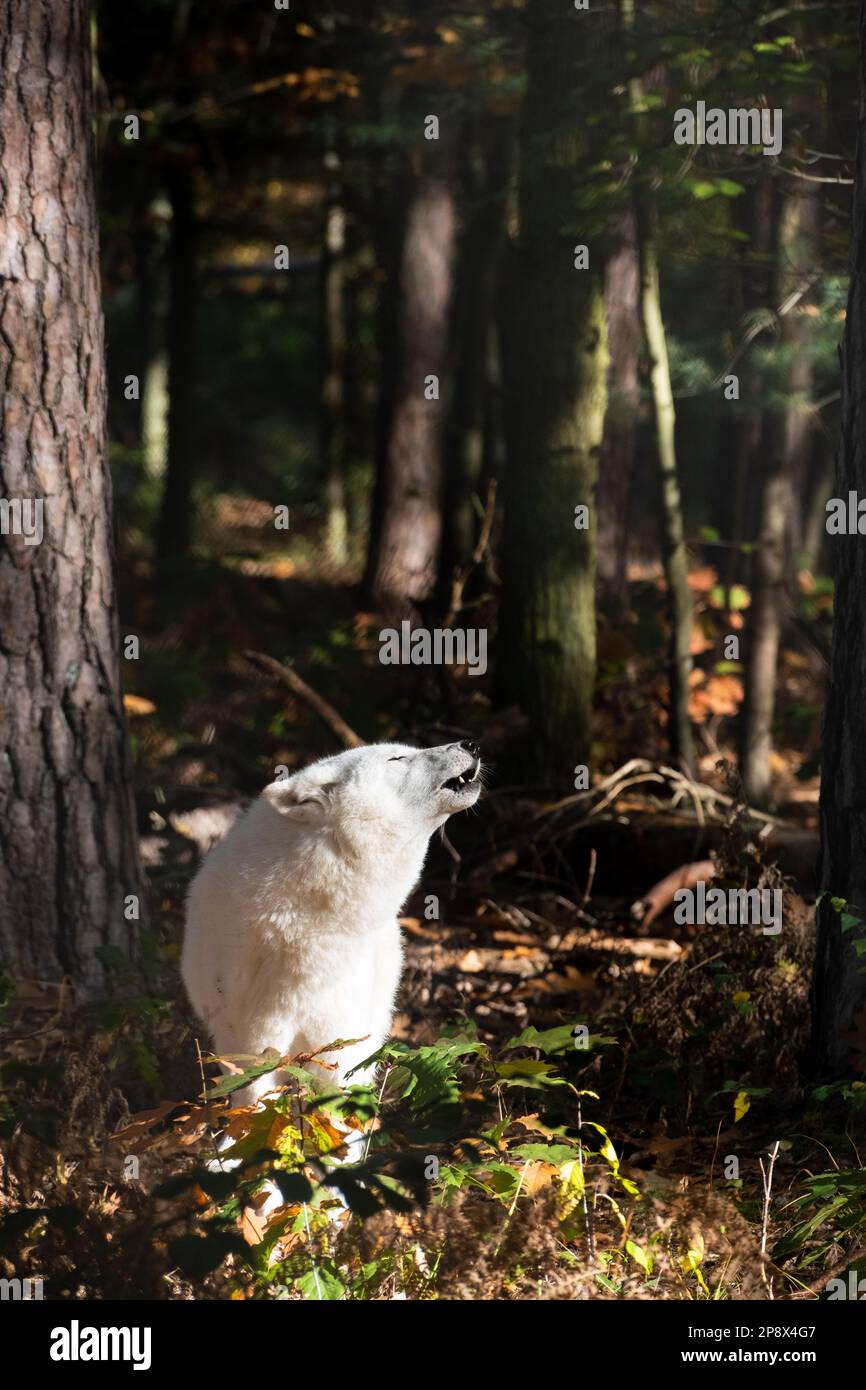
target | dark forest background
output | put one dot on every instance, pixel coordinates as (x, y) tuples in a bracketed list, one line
[(418, 312)]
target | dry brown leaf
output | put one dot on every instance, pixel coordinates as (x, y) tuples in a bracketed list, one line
[(141, 1124), (252, 1226), (537, 1174)]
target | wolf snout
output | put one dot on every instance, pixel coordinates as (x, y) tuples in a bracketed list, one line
[(468, 772)]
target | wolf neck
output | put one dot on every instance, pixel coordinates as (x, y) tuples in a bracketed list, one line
[(370, 876)]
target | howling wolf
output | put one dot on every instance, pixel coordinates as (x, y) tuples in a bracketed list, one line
[(292, 939)]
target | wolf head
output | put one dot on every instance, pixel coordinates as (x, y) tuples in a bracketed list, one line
[(385, 787)]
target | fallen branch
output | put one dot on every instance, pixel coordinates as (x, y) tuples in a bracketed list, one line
[(286, 676), (662, 894)]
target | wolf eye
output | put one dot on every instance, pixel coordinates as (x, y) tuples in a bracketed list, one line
[(401, 759)]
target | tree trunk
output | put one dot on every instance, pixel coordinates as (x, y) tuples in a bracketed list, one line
[(676, 559), (175, 522), (675, 555), (555, 364), (478, 277), (753, 216), (411, 521), (388, 217), (68, 848), (815, 510), (787, 443), (839, 986), (333, 389), (622, 309)]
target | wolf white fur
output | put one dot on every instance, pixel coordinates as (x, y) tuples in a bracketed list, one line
[(292, 939)]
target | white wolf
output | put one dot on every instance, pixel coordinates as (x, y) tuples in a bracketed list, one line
[(292, 939)]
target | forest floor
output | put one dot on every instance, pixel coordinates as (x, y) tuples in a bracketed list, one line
[(554, 912)]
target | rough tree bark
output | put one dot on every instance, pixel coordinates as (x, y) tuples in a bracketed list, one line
[(68, 852), (555, 365), (839, 986)]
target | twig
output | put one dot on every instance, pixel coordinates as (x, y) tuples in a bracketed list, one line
[(767, 1180), (511, 1209), (320, 706), (378, 1107), (813, 178), (587, 892), (456, 858), (715, 1152), (204, 1098), (590, 1241)]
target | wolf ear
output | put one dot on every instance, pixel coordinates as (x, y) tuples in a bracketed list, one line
[(303, 805)]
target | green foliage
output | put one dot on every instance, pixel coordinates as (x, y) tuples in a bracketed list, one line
[(836, 1202), (448, 1119)]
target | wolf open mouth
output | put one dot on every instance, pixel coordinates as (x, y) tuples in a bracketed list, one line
[(456, 784)]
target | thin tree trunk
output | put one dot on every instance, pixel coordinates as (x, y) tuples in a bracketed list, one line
[(68, 847), (839, 986), (150, 318), (388, 237), (333, 391), (555, 364), (787, 446), (175, 522), (755, 218), (676, 559), (674, 552), (411, 523), (815, 511), (622, 309), (154, 413)]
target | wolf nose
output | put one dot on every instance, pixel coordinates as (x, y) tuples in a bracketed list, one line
[(471, 747)]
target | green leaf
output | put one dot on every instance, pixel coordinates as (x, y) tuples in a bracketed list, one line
[(545, 1153), (554, 1040), (321, 1284), (525, 1067), (640, 1256)]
